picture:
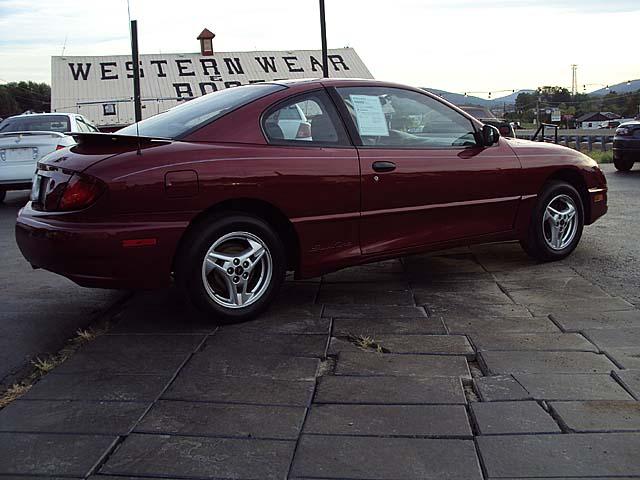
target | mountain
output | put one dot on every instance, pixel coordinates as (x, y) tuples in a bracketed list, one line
[(633, 86), (459, 99)]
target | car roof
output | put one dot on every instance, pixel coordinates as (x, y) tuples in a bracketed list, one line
[(47, 114)]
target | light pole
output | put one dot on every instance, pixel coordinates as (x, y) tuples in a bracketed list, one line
[(323, 35)]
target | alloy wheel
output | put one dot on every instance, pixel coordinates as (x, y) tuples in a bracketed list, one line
[(559, 222), (237, 270)]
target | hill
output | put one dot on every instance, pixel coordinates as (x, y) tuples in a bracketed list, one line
[(633, 86), (460, 99)]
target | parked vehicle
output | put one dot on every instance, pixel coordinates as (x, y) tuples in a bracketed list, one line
[(293, 123), (214, 195), (485, 116), (626, 145), (25, 139)]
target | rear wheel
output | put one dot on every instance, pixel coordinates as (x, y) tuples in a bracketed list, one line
[(231, 267), (623, 164), (556, 224)]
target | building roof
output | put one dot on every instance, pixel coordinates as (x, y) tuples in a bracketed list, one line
[(597, 117), (206, 33)]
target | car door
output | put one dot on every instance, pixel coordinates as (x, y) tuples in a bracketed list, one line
[(425, 178)]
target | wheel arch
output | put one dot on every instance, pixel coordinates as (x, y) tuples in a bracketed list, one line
[(254, 207), (574, 178)]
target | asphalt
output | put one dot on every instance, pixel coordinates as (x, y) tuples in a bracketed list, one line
[(39, 311), (474, 363)]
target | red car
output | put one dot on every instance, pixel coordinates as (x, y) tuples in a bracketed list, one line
[(213, 194)]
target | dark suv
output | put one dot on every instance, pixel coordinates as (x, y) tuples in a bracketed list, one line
[(626, 145)]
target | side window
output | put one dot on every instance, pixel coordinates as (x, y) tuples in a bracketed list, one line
[(394, 117), (308, 119), (80, 125)]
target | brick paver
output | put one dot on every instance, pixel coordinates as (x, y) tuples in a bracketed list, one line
[(468, 364)]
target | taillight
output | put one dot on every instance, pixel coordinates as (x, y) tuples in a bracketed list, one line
[(304, 130), (80, 192), (60, 147)]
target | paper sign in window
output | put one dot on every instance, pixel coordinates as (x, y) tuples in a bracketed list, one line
[(369, 115)]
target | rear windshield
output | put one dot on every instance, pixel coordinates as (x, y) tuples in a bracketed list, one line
[(198, 112), (39, 123)]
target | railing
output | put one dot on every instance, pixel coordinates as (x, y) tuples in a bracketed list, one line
[(578, 139), (541, 129)]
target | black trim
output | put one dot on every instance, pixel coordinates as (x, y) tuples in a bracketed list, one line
[(345, 116), (344, 141)]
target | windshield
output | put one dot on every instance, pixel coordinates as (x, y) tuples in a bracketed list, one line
[(196, 113), (36, 123)]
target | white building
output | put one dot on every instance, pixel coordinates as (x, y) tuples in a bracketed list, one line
[(101, 88)]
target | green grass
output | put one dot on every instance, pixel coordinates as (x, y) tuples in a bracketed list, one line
[(599, 156)]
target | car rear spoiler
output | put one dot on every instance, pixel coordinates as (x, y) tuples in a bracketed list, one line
[(119, 141), (32, 133)]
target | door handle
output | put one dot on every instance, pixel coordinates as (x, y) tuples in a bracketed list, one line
[(383, 166)]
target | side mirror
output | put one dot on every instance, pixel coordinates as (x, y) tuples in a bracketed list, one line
[(490, 135)]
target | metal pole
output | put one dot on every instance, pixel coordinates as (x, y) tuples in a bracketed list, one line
[(323, 34), (136, 71)]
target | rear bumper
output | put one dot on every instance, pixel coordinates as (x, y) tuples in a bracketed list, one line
[(93, 254), (597, 204)]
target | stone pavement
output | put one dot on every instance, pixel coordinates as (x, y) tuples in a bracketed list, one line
[(468, 364)]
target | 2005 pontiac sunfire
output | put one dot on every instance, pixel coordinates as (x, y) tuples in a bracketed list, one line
[(229, 191)]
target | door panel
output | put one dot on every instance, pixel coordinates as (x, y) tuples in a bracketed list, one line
[(436, 195)]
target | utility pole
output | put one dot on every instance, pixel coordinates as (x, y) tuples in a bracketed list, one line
[(136, 71), (323, 35), (574, 80)]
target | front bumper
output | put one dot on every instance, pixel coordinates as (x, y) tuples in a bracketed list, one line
[(597, 204), (94, 254), (627, 148)]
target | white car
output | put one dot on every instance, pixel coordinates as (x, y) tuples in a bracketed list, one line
[(25, 139), (293, 123)]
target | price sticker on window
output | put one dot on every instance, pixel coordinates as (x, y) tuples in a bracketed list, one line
[(369, 115)]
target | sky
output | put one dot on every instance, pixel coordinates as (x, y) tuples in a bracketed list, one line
[(460, 46)]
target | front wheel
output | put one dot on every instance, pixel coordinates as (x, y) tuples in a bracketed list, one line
[(623, 164), (231, 267), (556, 224)]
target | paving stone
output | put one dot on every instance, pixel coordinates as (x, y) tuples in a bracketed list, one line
[(287, 311), (532, 341), (471, 287), (631, 381), (425, 279), (255, 390), (512, 417), (419, 344), (364, 294), (568, 282), (296, 294), (391, 270), (149, 344), (376, 326), (208, 419), (572, 387), (500, 388), (479, 311), (626, 357), (104, 418), (389, 420), (599, 416), (290, 323), (443, 264), (498, 324), (574, 322), (389, 390), (549, 296), (277, 367), (51, 454), (546, 362), (612, 338), (433, 299), (372, 311), (129, 361), (99, 387), (372, 364), (535, 274), (374, 458), (200, 457), (572, 455), (579, 306), (236, 342)]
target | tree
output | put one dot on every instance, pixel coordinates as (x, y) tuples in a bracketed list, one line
[(19, 97)]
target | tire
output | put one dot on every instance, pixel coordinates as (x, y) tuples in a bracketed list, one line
[(553, 231), (623, 164), (220, 257), (3, 195)]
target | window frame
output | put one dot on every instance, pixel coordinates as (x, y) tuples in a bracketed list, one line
[(344, 138), (355, 134)]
